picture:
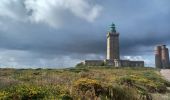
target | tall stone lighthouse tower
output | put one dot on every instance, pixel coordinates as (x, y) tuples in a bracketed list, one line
[(113, 44)]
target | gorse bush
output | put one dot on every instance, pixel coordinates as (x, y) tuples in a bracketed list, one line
[(32, 92), (90, 89), (3, 95), (87, 88), (25, 92), (82, 83), (150, 82), (118, 92)]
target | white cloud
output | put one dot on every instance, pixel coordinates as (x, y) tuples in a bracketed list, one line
[(12, 9), (51, 12), (149, 60), (136, 58), (26, 59)]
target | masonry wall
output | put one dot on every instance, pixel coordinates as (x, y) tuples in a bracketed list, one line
[(136, 63), (93, 62), (158, 62), (114, 63), (167, 57), (109, 63), (113, 46), (125, 63), (162, 57), (128, 63)]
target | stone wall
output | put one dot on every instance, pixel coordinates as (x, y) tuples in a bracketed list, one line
[(93, 62), (136, 64), (114, 63), (128, 63), (109, 63)]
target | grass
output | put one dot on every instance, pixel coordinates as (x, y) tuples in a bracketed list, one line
[(85, 83)]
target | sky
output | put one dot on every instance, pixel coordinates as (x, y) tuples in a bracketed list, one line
[(62, 33)]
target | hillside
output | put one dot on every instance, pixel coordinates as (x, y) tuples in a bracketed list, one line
[(94, 83)]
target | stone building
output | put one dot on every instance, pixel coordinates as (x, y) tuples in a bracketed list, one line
[(113, 44), (162, 57), (113, 53)]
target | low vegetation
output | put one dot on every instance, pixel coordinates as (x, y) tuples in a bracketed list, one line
[(82, 83)]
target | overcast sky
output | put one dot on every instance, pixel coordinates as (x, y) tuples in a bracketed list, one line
[(61, 33)]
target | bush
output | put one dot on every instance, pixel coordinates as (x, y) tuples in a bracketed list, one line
[(3, 95), (31, 92), (87, 88), (66, 97), (79, 65), (118, 92), (26, 92), (91, 82), (126, 80), (92, 89)]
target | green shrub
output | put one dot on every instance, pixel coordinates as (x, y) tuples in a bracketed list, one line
[(25, 92), (85, 84), (87, 88), (91, 89), (3, 95), (32, 92), (118, 92), (80, 65), (91, 82), (66, 97), (126, 80)]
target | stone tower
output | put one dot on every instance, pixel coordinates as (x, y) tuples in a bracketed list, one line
[(158, 62), (162, 57), (165, 56), (113, 44)]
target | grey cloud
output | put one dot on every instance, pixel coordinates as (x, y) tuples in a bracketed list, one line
[(52, 13), (142, 25)]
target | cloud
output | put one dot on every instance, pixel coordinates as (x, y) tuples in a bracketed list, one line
[(12, 9), (53, 13), (26, 59), (148, 59), (62, 32), (135, 58)]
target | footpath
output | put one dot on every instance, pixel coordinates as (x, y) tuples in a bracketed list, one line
[(165, 73)]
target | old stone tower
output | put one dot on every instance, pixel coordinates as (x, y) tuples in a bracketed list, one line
[(162, 57), (113, 44), (113, 53)]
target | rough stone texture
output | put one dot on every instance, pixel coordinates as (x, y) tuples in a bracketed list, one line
[(167, 58), (113, 46), (109, 62), (128, 63), (158, 62), (165, 61), (162, 57), (114, 63), (136, 64), (93, 62)]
